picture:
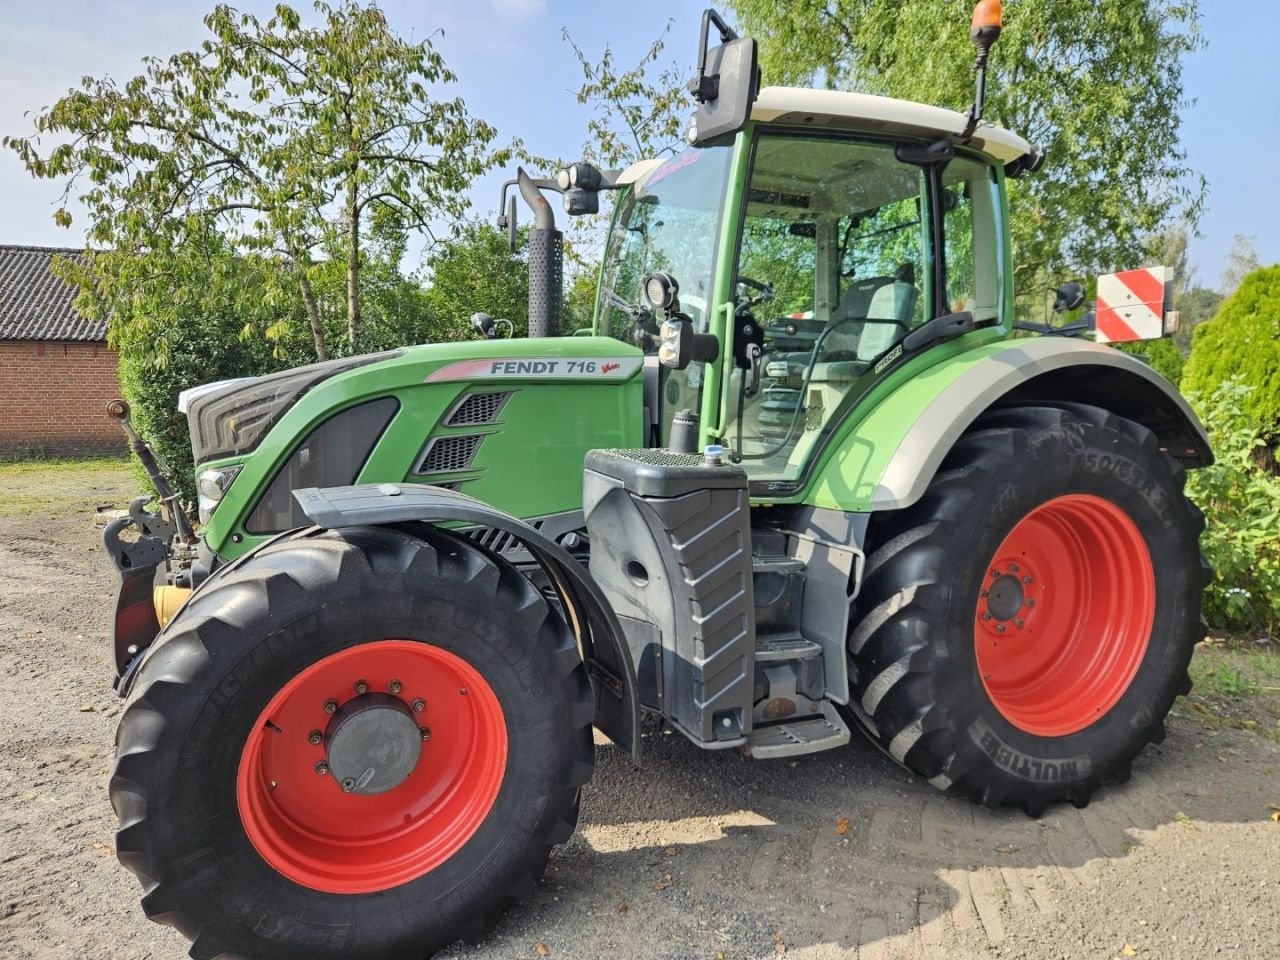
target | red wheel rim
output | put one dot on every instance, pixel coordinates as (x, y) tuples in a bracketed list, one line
[(303, 823), (1064, 615)]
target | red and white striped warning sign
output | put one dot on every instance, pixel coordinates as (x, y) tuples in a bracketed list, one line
[(1132, 304)]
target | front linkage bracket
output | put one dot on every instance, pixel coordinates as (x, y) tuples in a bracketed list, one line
[(137, 560)]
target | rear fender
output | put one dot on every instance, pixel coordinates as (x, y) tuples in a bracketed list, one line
[(889, 458), (604, 648)]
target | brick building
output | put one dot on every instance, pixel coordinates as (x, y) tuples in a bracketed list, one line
[(56, 373)]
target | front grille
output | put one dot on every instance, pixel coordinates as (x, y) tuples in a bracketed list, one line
[(448, 454), (477, 408)]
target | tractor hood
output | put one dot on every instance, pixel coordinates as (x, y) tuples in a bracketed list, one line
[(506, 421)]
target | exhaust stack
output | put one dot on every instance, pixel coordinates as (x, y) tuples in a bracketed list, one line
[(546, 262)]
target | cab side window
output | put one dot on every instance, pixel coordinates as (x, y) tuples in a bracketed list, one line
[(971, 212)]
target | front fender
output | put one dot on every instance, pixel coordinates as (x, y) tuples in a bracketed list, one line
[(888, 458), (604, 648)]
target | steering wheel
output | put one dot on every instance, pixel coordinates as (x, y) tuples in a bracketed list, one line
[(764, 291)]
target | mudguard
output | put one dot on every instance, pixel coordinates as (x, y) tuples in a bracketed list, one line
[(886, 460), (604, 647)]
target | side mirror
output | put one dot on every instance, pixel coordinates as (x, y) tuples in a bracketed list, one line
[(1067, 297), (507, 221), (483, 324), (726, 86)]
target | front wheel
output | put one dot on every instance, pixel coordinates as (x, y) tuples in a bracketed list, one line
[(356, 744), (1023, 630)]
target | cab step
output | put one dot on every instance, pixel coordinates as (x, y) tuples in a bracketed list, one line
[(795, 737), (785, 646)]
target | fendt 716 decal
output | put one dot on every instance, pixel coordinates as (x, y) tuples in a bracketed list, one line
[(560, 368)]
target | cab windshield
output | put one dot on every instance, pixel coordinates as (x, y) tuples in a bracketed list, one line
[(668, 222)]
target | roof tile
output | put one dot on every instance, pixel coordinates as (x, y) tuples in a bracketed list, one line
[(36, 305)]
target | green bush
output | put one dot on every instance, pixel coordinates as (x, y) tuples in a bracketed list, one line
[(201, 350), (1241, 501), (1243, 341)]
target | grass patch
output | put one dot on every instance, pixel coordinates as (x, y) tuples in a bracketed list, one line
[(1236, 686), (58, 489)]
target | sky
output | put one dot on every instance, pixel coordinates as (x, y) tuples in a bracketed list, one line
[(517, 73)]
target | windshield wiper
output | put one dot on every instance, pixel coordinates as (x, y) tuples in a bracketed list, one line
[(645, 333)]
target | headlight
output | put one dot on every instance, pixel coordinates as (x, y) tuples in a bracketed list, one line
[(211, 485)]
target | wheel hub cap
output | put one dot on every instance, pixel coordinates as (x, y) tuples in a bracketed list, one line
[(372, 744), (1005, 598)]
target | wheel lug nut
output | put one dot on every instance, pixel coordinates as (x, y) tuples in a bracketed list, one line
[(426, 734), (322, 768), (986, 616), (1027, 580), (362, 686), (1030, 602), (348, 785), (394, 686), (419, 705), (314, 737), (331, 706), (1013, 568), (1000, 628), (995, 574), (1018, 623), (985, 594)]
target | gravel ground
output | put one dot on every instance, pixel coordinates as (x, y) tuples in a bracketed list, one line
[(695, 855)]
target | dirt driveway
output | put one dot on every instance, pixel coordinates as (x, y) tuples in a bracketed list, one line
[(696, 855)]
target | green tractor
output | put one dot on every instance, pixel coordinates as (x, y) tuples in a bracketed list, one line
[(801, 475)]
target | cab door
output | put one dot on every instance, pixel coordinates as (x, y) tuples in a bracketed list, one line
[(844, 248)]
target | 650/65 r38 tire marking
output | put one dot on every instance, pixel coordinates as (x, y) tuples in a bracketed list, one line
[(319, 831)]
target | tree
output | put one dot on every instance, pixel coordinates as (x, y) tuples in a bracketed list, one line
[(1195, 306), (1098, 86), (1243, 341), (284, 138), (634, 114), (1241, 261), (206, 299), (473, 271)]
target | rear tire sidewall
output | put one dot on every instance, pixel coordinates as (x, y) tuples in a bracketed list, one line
[(242, 677)]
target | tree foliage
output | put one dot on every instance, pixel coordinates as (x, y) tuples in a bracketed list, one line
[(636, 112), (1242, 260), (287, 139), (1099, 86), (1241, 501), (475, 270), (1243, 341)]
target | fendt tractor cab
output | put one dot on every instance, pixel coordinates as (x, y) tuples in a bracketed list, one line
[(805, 472)]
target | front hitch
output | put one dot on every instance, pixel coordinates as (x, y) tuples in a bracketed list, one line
[(140, 558)]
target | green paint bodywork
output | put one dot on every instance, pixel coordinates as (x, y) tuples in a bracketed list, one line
[(530, 464)]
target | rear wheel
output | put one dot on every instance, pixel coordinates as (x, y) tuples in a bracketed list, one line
[(1023, 630), (357, 744)]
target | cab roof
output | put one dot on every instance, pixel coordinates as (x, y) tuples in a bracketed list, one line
[(862, 111)]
